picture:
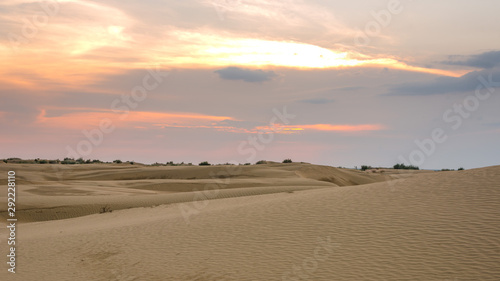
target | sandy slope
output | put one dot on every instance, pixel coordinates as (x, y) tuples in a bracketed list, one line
[(429, 226), (49, 192)]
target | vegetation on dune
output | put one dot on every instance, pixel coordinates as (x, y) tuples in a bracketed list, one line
[(72, 161), (405, 167), (366, 167), (446, 170), (105, 209)]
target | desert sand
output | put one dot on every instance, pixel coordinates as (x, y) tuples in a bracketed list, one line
[(262, 222)]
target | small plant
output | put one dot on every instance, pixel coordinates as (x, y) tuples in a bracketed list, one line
[(204, 163), (247, 164), (287, 161), (105, 209), (261, 162), (461, 169), (117, 161)]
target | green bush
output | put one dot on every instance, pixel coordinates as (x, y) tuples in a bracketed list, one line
[(287, 161), (204, 163), (461, 169), (261, 162), (405, 167), (117, 161), (67, 160), (365, 167)]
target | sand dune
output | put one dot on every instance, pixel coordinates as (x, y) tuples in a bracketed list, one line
[(50, 192), (422, 226)]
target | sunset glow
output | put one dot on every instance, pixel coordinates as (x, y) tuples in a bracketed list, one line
[(201, 77)]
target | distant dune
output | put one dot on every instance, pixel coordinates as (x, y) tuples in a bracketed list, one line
[(51, 192), (267, 222)]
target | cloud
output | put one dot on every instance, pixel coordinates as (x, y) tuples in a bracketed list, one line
[(247, 75), (78, 120), (353, 88), (323, 127), (443, 85), (485, 60), (317, 101)]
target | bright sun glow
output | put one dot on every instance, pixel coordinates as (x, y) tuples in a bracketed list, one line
[(205, 49)]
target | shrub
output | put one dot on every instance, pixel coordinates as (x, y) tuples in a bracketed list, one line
[(68, 161), (261, 162), (287, 161), (405, 167), (105, 209), (118, 161), (246, 164), (365, 167), (204, 163), (461, 169)]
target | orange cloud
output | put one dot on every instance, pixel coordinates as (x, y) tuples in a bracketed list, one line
[(287, 129), (91, 119), (341, 128), (107, 41)]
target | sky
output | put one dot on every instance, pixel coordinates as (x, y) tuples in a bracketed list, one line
[(340, 83)]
